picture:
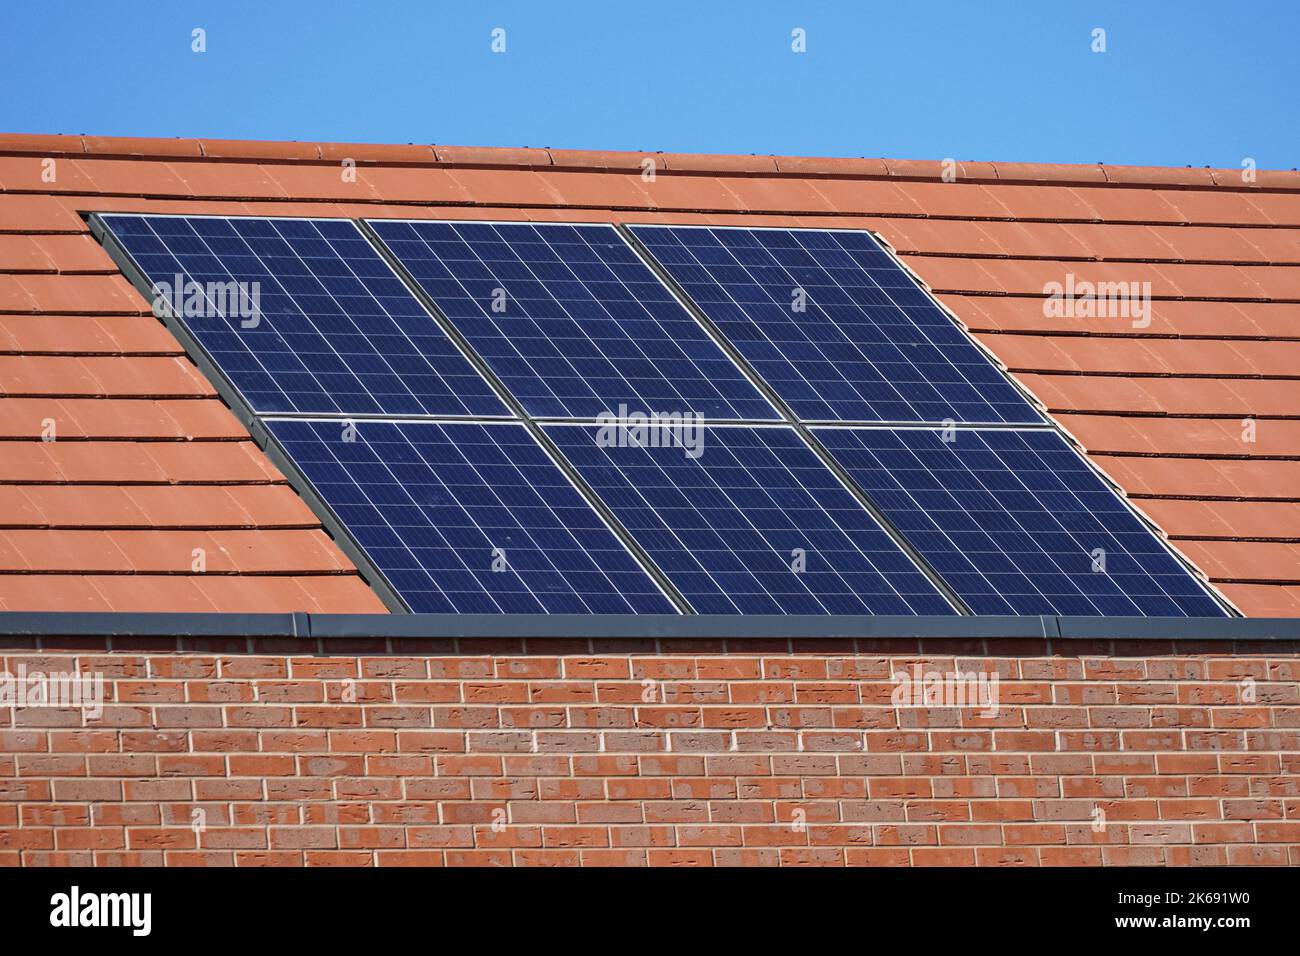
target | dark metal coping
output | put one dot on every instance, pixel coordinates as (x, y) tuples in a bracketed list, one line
[(637, 626)]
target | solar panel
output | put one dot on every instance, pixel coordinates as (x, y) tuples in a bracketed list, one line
[(1017, 522), (469, 517), (732, 526), (572, 320), (835, 325), (336, 330)]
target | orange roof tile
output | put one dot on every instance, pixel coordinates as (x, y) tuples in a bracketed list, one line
[(1196, 415)]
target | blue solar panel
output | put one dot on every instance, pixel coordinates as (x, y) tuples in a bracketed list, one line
[(727, 527), (337, 330), (1017, 522), (869, 343), (469, 517), (572, 320)]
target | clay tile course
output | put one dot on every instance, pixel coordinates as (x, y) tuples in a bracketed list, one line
[(1194, 414)]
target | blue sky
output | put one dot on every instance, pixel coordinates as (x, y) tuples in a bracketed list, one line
[(1189, 83)]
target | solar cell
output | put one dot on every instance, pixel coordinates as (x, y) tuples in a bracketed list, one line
[(835, 325), (572, 320), (1016, 522), (335, 330), (732, 527), (469, 517)]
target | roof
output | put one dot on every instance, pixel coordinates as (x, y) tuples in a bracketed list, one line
[(148, 463)]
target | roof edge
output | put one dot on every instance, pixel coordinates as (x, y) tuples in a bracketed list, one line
[(1092, 174), (61, 624)]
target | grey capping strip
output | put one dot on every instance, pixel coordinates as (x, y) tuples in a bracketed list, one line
[(397, 627), (150, 624)]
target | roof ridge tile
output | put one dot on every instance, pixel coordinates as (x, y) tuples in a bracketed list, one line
[(611, 160)]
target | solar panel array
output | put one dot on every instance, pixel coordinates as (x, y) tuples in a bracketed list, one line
[(807, 365)]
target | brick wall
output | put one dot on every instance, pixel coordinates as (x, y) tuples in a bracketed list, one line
[(686, 753)]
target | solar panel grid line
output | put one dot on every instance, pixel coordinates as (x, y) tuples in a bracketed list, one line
[(401, 470), (1019, 522), (380, 313), (819, 364), (724, 526), (592, 314)]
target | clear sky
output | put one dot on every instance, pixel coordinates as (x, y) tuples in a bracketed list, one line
[(1179, 83)]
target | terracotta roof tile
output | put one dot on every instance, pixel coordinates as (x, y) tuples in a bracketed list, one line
[(323, 594), (253, 149), (1135, 205), (865, 197), (1263, 320), (487, 156), (89, 294), (154, 148), (394, 185), (20, 213), (122, 177), (131, 462), (23, 254), (1147, 356), (1044, 172), (699, 162), (154, 551), (149, 451), (52, 334), (1275, 520), (75, 419), (43, 174), (613, 190), (1168, 279), (604, 160), (1263, 600), (45, 143), (143, 592), (499, 187), (1252, 479), (1246, 561), (108, 376), (940, 199), (218, 180), (73, 254), (1163, 396), (377, 153), (1163, 175), (1194, 437), (831, 166), (104, 507)]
